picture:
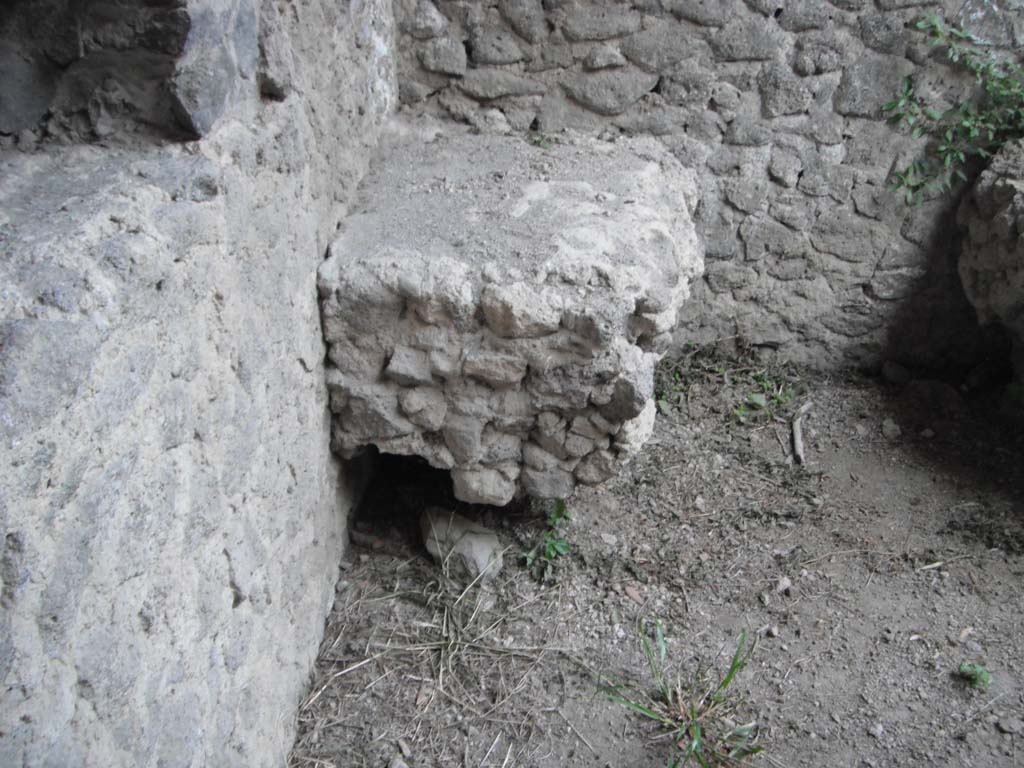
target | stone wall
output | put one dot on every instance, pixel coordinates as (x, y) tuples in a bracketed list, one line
[(992, 261), (171, 518), (776, 104), (499, 309)]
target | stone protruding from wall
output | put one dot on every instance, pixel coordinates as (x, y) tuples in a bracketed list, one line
[(171, 515), (104, 69), (498, 307), (992, 260), (776, 105)]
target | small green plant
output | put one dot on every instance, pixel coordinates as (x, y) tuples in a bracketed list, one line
[(540, 560), (540, 140), (970, 130), (975, 675), (770, 396), (698, 715)]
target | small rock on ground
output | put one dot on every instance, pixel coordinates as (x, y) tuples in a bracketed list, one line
[(461, 543)]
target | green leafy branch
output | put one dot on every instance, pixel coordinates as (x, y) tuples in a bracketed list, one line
[(540, 559), (972, 129)]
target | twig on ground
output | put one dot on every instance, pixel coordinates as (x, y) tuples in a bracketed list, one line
[(798, 432)]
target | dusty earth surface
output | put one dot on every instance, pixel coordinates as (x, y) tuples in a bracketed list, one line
[(861, 579)]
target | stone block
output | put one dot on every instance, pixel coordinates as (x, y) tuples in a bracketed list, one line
[(445, 56), (609, 92), (869, 83), (782, 92), (526, 17), (748, 39), (604, 23), (494, 45), (485, 84), (552, 288)]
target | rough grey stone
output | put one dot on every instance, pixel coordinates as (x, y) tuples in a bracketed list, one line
[(990, 264), (883, 32), (609, 92), (458, 543), (658, 47), (805, 15), (425, 21), (603, 57), (745, 39), (28, 88), (171, 507), (493, 45), (785, 167), (603, 23), (818, 54), (870, 82), (708, 13), (553, 483), (782, 92), (444, 55), (526, 17), (557, 309), (689, 84), (488, 84)]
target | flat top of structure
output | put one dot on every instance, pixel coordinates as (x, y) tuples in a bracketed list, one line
[(519, 202)]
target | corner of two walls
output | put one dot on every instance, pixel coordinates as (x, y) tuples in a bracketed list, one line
[(776, 104), (172, 517)]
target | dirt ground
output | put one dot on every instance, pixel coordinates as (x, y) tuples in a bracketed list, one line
[(862, 579)]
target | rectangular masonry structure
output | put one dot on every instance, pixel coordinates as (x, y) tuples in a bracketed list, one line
[(498, 306)]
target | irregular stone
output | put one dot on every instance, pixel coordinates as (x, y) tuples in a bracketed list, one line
[(425, 21), (603, 57), (536, 457), (637, 431), (748, 193), (658, 47), (870, 83), (747, 40), (805, 15), (519, 311), (707, 13), (609, 92), (459, 543), (464, 437), (494, 368), (542, 299), (492, 45), (408, 366), (486, 84), (883, 32), (604, 23), (748, 131), (554, 483), (785, 167), (424, 406), (990, 264), (445, 56), (526, 17), (578, 446), (596, 468), (764, 237), (816, 59), (689, 84), (782, 92), (28, 89)]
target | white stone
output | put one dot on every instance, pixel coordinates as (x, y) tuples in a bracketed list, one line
[(459, 543)]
